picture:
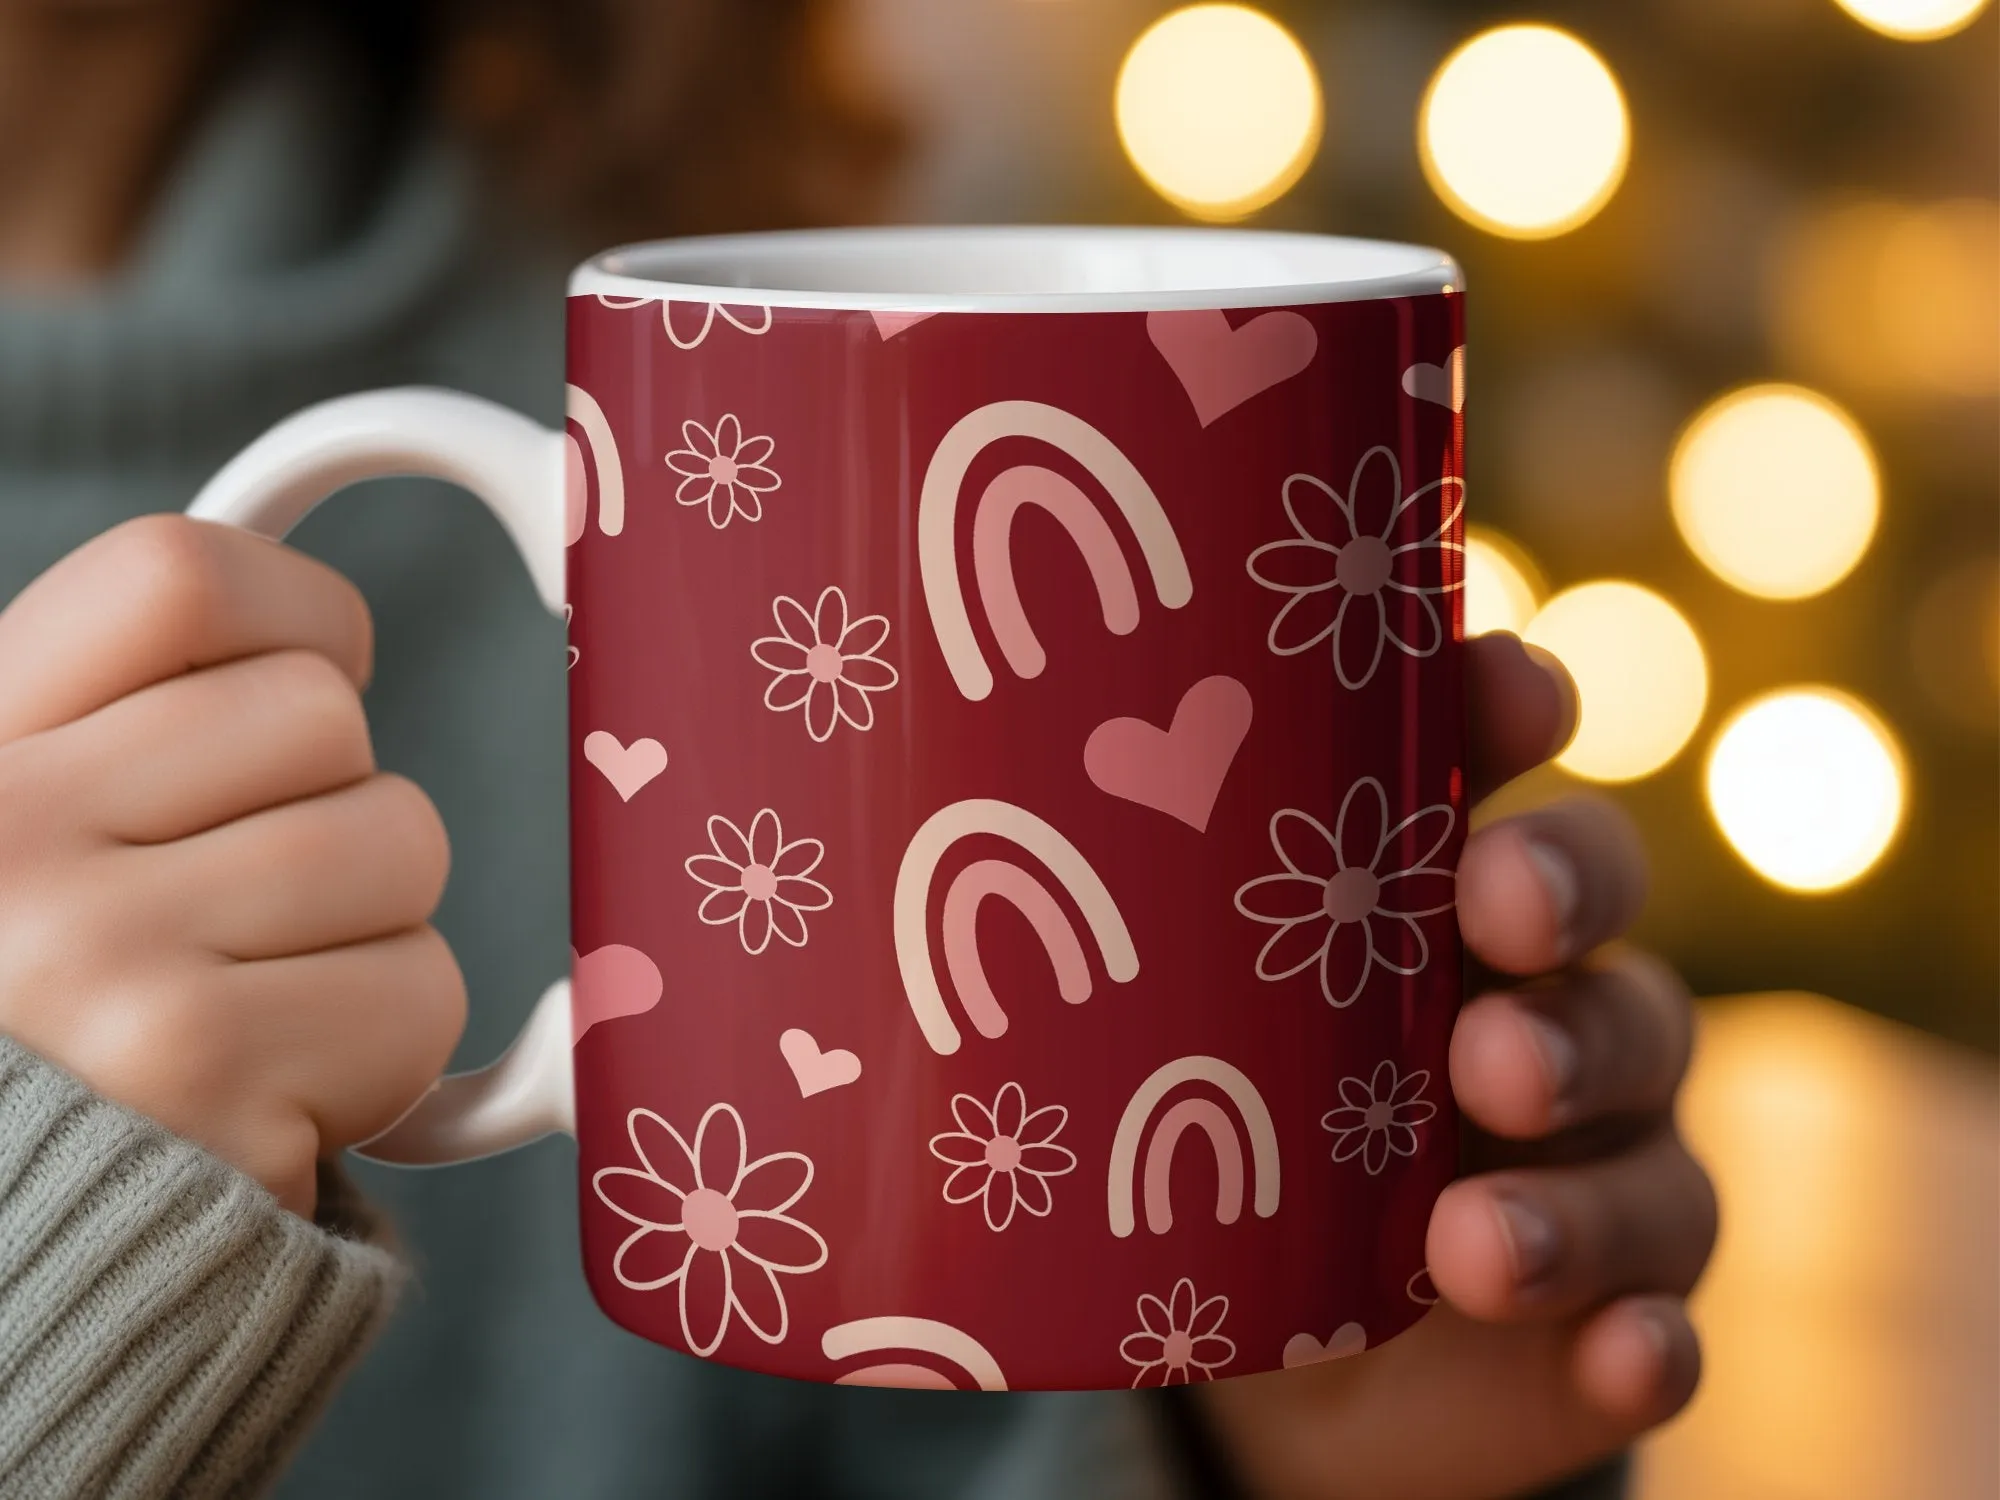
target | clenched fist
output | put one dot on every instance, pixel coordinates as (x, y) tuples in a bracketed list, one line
[(1564, 1258), (213, 907)]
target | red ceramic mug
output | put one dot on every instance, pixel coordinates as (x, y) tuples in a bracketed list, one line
[(1017, 773)]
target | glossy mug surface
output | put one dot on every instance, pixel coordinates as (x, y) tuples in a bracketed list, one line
[(1017, 778)]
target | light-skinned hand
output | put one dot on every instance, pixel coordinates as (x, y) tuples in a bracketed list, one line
[(1564, 1260), (213, 907)]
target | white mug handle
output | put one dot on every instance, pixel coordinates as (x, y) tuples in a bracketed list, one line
[(517, 467)]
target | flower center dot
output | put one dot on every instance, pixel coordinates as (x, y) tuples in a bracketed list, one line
[(759, 884), (1003, 1153), (1364, 565), (722, 470), (1351, 895), (823, 661), (1177, 1348), (1380, 1115), (709, 1218)]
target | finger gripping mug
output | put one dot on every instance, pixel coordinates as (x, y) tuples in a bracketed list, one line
[(1016, 782)]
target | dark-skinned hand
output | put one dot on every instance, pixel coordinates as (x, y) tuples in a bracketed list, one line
[(1563, 1259)]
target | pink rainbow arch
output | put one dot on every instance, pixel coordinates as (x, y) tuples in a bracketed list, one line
[(1212, 1121), (937, 516), (1011, 883), (1206, 1115), (993, 566), (1062, 859)]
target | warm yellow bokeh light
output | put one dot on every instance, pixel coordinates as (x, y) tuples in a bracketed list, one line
[(1888, 296), (1219, 108), (1913, 20), (1807, 785), (1641, 677), (1503, 587), (1523, 131), (1774, 488)]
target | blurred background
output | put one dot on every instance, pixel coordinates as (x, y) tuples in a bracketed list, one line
[(1734, 310), (1734, 301), (1734, 455)]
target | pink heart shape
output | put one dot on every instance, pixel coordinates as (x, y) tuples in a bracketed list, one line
[(1442, 385), (889, 324), (1178, 770), (1222, 367), (817, 1071), (626, 767), (610, 982), (1304, 1349)]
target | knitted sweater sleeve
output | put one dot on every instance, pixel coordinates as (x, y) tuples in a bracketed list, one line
[(166, 1328)]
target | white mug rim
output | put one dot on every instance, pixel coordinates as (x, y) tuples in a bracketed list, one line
[(1273, 268)]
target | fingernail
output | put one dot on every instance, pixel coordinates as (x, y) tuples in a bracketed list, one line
[(1532, 1242), (1560, 1058), (1559, 880)]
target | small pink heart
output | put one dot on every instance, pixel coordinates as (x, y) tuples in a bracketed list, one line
[(1443, 385), (889, 324), (626, 767), (1222, 367), (815, 1070), (1304, 1349), (610, 982), (1177, 771)]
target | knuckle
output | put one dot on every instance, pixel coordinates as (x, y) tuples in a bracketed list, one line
[(43, 917), (165, 1050), (1704, 1203), (416, 833), (362, 625), (317, 698), (1669, 1219), (437, 992), (353, 643), (34, 805), (56, 929), (169, 567), (1659, 1010), (313, 682)]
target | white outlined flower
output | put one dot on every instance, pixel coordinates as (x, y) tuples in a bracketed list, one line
[(723, 470), (757, 324), (826, 663), (1420, 1289), (1350, 579), (1178, 1337), (1004, 1155), (573, 653), (1350, 899), (711, 1222), (758, 881), (1378, 1117)]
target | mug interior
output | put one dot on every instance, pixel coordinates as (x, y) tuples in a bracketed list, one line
[(1017, 269)]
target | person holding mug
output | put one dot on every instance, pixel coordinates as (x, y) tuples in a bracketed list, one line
[(220, 970)]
